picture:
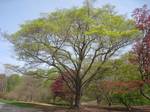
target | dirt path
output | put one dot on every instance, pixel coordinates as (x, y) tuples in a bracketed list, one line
[(11, 108)]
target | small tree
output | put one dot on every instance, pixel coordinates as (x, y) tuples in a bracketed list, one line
[(60, 89), (122, 91)]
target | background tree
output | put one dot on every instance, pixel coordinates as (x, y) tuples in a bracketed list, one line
[(70, 39), (119, 69), (30, 89), (13, 81)]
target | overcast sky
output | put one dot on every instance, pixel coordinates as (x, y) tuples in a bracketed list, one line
[(15, 12)]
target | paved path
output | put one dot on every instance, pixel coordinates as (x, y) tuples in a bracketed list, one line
[(11, 108)]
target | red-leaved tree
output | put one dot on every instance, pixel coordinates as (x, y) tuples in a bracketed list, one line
[(121, 89), (60, 89), (142, 19), (141, 48)]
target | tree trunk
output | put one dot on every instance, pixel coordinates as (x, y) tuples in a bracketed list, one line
[(77, 100), (98, 99)]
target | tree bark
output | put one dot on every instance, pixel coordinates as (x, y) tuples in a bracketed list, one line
[(77, 99), (98, 100)]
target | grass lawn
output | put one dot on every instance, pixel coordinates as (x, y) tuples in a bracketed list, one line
[(18, 103), (43, 106)]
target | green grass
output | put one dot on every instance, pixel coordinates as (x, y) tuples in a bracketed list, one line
[(17, 103), (45, 107)]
